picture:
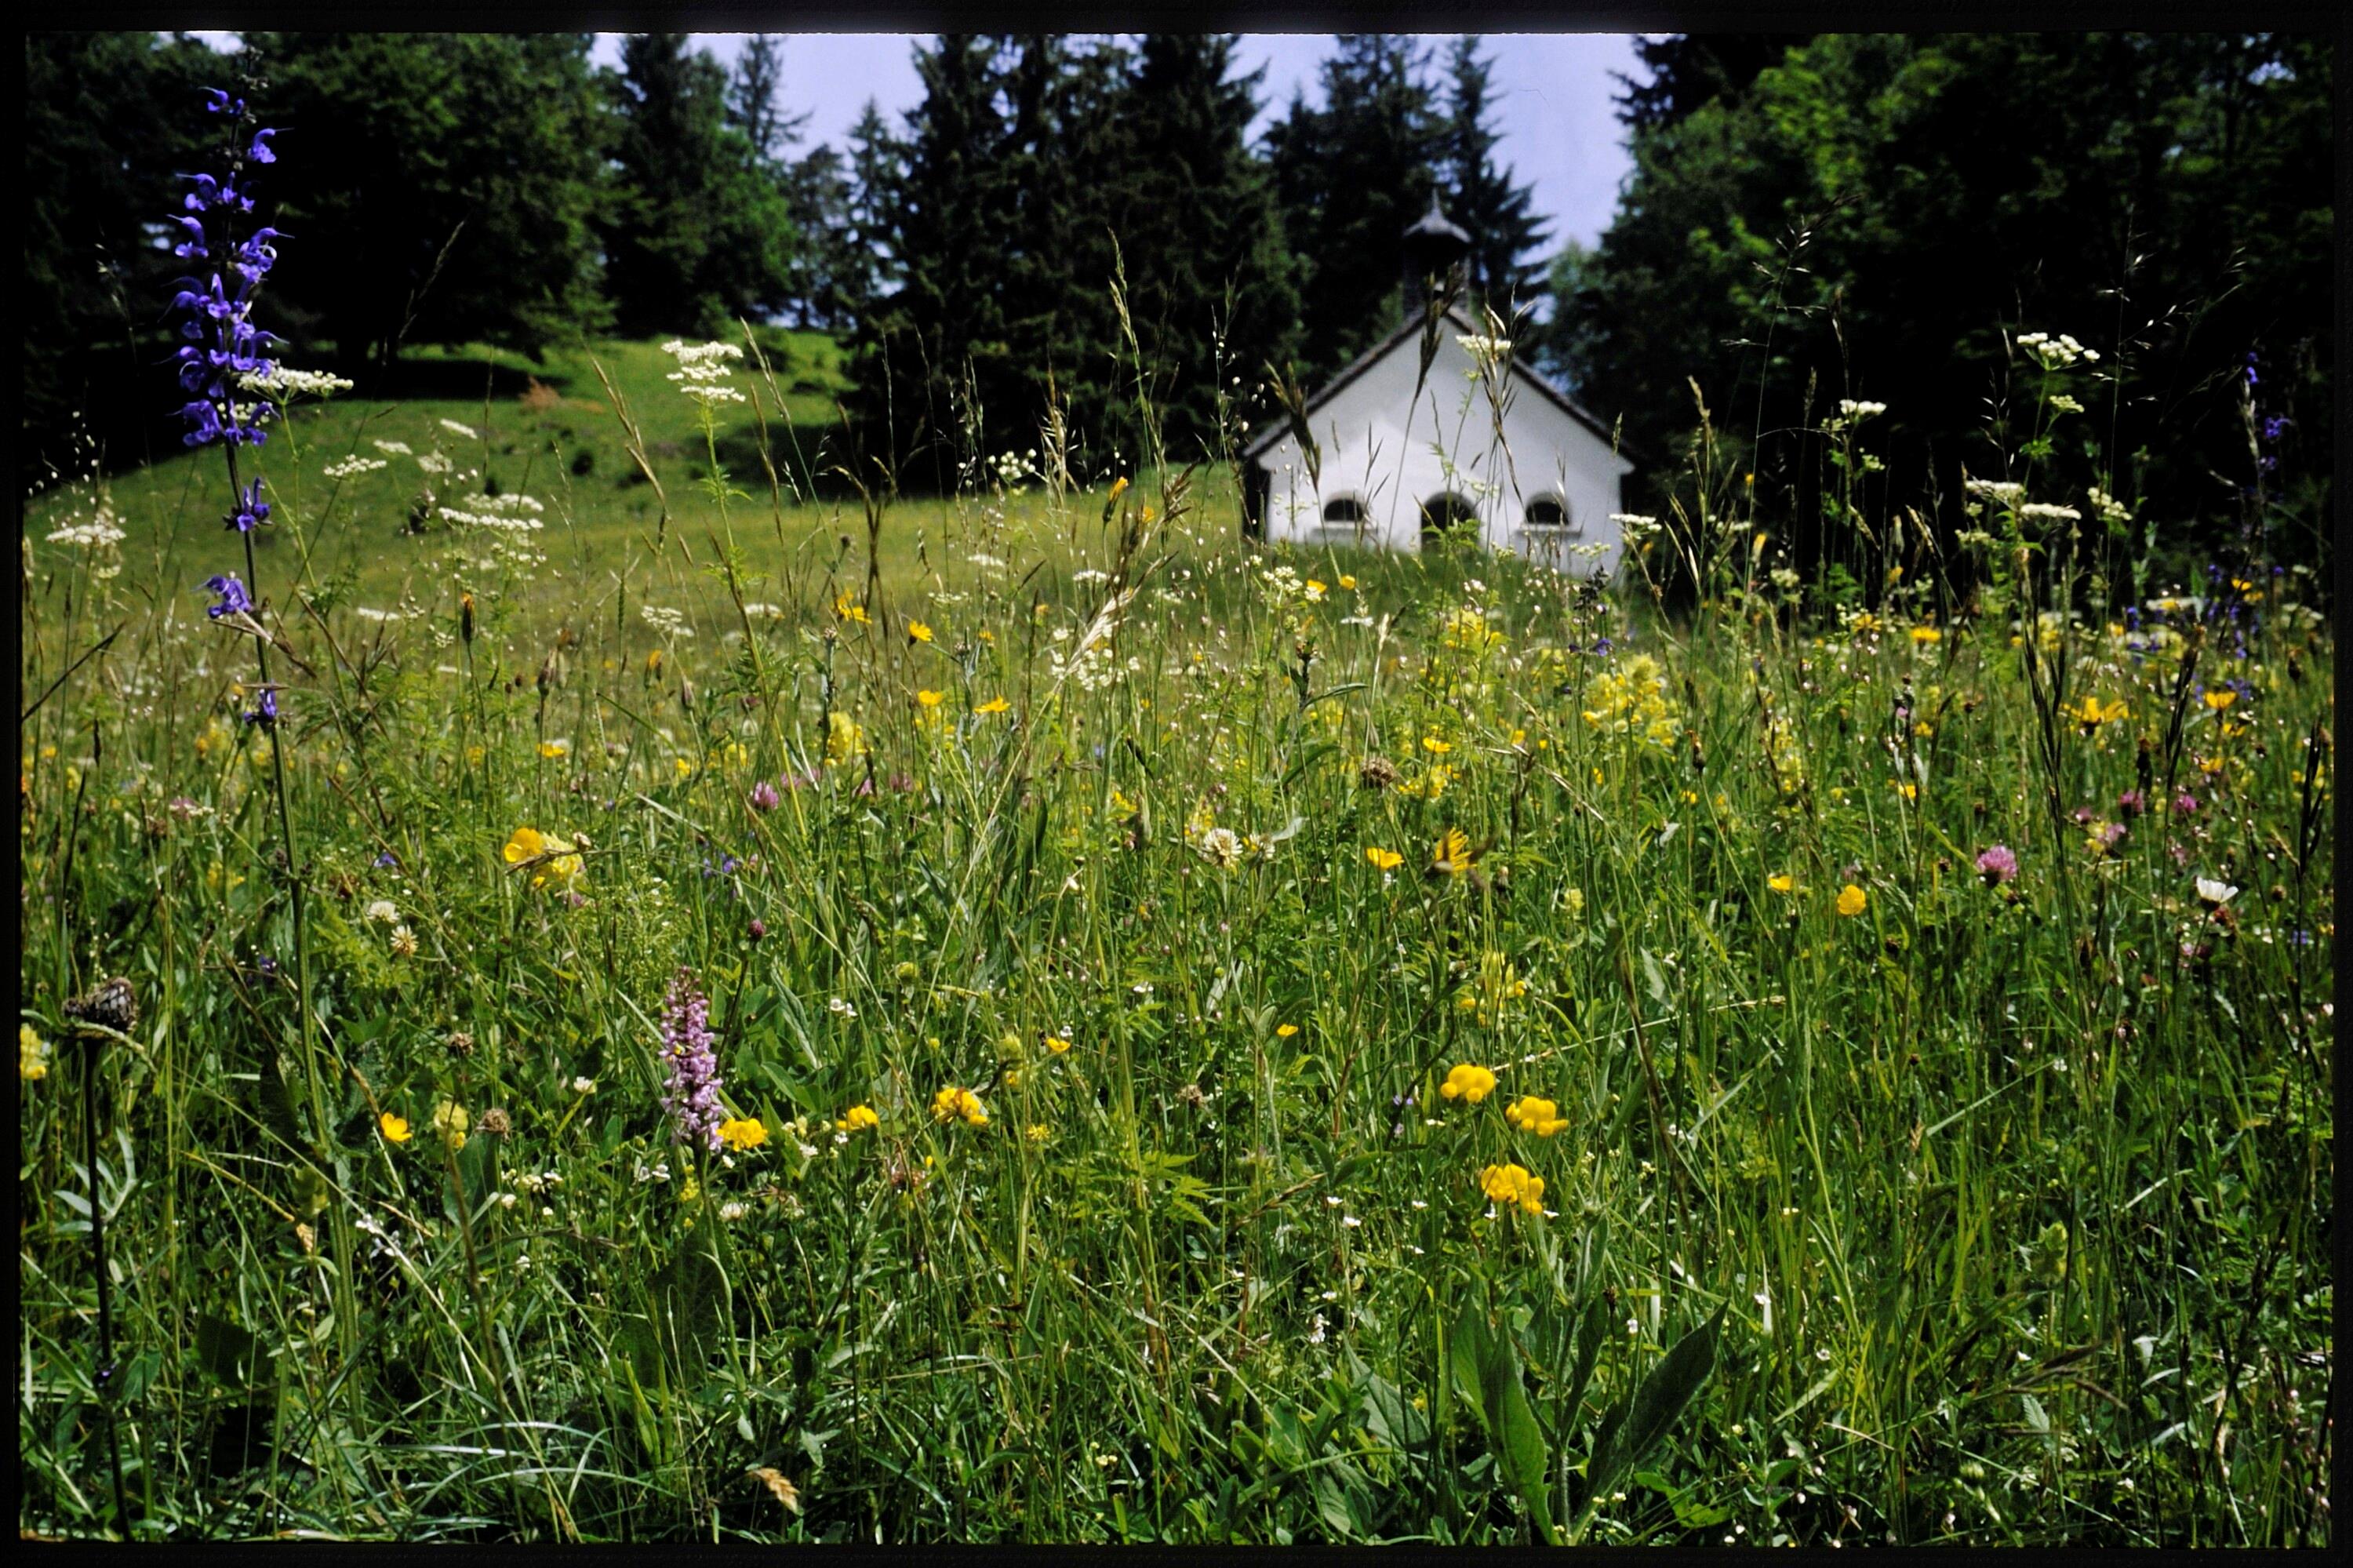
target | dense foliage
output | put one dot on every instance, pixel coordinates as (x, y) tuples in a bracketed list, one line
[(1880, 217)]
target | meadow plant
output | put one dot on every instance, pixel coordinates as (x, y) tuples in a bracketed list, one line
[(1111, 1032)]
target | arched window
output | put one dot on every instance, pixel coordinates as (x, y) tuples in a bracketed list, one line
[(1549, 511), (1344, 512), (1445, 512)]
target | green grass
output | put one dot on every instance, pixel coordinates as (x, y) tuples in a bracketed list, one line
[(2000, 1211)]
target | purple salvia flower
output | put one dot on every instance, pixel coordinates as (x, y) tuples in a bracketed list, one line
[(692, 1095), (265, 713), (234, 600), (259, 151), (251, 510), (1998, 865)]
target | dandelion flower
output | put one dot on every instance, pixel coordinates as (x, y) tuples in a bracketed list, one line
[(1451, 852), (2220, 697), (1468, 1082), (1384, 860), (918, 632), (993, 705), (1851, 900), (930, 699)]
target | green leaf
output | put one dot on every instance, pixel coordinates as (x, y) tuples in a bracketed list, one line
[(228, 1351), (1653, 1408), (1513, 1434)]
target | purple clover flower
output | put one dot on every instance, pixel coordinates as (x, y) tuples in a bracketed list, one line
[(692, 1095), (234, 600), (765, 796), (2132, 803), (1998, 865)]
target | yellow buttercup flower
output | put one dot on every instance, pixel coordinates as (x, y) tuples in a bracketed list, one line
[(394, 1128), (552, 858), (1782, 882), (1468, 1082), (1432, 743), (952, 1103), (2092, 714), (1347, 582), (742, 1133), (857, 1119), (1286, 1031), (555, 747), (993, 705), (1384, 860), (1514, 1184), (1530, 1114), (1056, 1044), (1851, 900)]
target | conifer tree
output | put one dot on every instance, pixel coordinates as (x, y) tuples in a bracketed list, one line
[(696, 233), (1482, 197), (1197, 224), (1351, 176)]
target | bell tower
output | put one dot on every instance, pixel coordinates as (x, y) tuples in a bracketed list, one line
[(1435, 249)]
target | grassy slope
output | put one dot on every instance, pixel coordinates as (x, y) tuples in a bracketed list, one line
[(2012, 1204)]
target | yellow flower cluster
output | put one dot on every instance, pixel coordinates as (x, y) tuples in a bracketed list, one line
[(1530, 1114), (742, 1133), (1514, 1184), (858, 1118), (1633, 699), (32, 1055), (843, 737), (952, 1103), (1468, 1082)]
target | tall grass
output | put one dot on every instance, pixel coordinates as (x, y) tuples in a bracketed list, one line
[(2001, 1208)]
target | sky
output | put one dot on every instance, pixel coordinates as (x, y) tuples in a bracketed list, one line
[(1552, 100)]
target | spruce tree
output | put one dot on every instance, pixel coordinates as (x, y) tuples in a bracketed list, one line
[(1197, 220), (1482, 197), (1351, 176), (696, 233)]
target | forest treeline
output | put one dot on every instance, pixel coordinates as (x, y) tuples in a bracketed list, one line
[(1808, 218)]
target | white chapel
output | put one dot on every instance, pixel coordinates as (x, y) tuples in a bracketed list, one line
[(1477, 441)]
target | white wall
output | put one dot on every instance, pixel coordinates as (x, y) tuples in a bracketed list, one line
[(1390, 460)]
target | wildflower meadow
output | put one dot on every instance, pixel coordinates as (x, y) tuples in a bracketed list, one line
[(684, 1010)]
